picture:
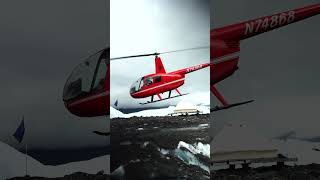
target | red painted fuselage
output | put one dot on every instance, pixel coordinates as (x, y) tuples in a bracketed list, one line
[(225, 41), (160, 82), (166, 83)]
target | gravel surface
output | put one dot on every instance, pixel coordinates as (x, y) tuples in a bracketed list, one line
[(137, 143), (301, 172)]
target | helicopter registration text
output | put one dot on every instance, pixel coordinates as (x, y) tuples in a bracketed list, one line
[(194, 68), (266, 23)]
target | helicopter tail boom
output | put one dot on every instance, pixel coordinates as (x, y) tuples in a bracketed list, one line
[(191, 69), (264, 24)]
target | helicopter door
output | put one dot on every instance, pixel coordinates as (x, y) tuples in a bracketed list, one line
[(141, 83)]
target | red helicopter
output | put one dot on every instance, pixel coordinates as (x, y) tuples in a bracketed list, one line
[(225, 44), (86, 92), (161, 81)]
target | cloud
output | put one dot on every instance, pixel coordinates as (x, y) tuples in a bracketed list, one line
[(41, 42)]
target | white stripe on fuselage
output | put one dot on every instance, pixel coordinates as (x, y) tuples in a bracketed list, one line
[(158, 86), (227, 57), (105, 93)]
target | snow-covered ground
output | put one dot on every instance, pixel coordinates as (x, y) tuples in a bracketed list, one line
[(239, 136), (12, 164), (189, 156), (303, 150), (114, 113), (197, 148)]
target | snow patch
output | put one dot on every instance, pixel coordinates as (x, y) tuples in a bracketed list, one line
[(197, 148), (12, 164), (114, 113), (190, 159), (203, 125), (303, 150), (240, 137), (188, 156)]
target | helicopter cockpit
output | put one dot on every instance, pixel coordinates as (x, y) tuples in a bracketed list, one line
[(88, 77), (137, 85), (143, 82)]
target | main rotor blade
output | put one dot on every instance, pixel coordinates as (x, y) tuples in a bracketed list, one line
[(156, 54), (140, 55), (187, 49)]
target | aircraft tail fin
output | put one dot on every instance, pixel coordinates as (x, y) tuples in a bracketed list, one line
[(159, 65)]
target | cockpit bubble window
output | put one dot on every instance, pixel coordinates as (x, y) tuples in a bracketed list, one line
[(81, 78), (136, 86)]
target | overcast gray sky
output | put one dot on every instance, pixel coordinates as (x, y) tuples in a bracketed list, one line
[(148, 26), (278, 69), (41, 42)]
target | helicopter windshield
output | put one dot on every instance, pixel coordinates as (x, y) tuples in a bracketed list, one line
[(87, 77), (136, 86)]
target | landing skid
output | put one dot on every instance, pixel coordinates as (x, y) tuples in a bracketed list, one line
[(218, 108), (149, 102), (102, 133)]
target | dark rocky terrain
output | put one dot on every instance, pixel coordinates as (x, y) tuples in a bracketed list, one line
[(305, 172), (74, 176), (138, 142), (302, 172), (136, 154)]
